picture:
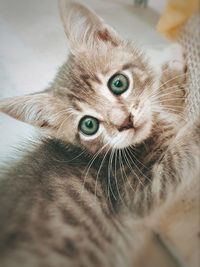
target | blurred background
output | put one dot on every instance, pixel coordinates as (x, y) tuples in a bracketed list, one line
[(33, 45)]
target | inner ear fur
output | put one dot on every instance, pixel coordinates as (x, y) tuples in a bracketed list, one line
[(84, 28), (41, 110)]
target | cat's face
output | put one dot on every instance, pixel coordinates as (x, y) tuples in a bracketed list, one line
[(104, 97), (107, 100)]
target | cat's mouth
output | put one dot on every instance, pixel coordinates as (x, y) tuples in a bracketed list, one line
[(140, 126), (133, 127), (126, 127), (134, 134)]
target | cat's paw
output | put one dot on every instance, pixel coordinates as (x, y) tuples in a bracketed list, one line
[(176, 58)]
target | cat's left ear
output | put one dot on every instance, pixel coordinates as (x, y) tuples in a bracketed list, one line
[(41, 110), (85, 30)]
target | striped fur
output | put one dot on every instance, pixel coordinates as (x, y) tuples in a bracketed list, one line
[(77, 202)]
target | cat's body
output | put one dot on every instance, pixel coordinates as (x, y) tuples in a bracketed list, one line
[(177, 221), (119, 151), (52, 214)]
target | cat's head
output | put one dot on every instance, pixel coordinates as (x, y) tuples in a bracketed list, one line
[(107, 95)]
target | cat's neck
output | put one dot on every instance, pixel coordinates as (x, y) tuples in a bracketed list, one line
[(136, 173)]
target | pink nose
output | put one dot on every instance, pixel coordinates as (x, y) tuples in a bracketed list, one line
[(127, 124)]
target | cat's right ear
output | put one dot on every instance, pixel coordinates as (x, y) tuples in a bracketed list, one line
[(85, 30), (42, 110)]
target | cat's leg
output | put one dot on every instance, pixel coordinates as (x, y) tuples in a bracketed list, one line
[(174, 57), (176, 185), (173, 81), (154, 253)]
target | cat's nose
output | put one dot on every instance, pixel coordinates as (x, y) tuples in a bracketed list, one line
[(127, 124)]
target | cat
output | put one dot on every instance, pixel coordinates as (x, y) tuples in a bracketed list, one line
[(117, 148)]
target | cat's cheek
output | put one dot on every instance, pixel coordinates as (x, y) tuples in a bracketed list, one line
[(143, 132), (55, 133), (97, 147), (93, 144), (143, 119), (65, 134)]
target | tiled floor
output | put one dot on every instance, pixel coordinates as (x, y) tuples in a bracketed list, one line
[(33, 45)]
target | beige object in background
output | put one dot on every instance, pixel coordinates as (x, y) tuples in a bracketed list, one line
[(180, 222), (189, 39), (180, 21), (176, 13)]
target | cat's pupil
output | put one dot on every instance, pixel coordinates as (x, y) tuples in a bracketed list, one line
[(118, 83), (89, 124)]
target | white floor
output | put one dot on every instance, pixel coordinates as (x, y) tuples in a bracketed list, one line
[(33, 45)]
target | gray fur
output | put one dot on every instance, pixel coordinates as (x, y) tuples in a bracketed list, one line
[(69, 203)]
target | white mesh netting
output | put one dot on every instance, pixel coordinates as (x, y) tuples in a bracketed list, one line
[(190, 40)]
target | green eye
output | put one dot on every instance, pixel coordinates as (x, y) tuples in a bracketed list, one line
[(118, 84), (89, 125)]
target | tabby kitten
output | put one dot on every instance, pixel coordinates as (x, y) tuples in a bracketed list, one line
[(118, 146)]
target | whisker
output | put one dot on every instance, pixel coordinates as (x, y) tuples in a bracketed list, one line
[(157, 94), (174, 111), (176, 77), (123, 169), (90, 164), (129, 151), (109, 174), (100, 167), (60, 127), (68, 161), (130, 167)]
